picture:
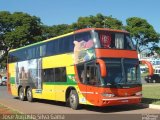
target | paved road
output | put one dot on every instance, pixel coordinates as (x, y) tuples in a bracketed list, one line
[(51, 107)]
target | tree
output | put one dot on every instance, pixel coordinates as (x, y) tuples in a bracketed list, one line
[(55, 30), (157, 48), (142, 32), (98, 21), (17, 30)]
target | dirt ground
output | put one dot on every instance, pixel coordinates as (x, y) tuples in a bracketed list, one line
[(5, 110)]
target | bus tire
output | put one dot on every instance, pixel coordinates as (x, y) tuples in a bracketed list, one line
[(154, 81), (74, 100), (29, 95), (21, 94), (3, 83), (67, 102)]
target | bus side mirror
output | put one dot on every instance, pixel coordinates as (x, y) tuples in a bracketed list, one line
[(102, 67), (150, 68)]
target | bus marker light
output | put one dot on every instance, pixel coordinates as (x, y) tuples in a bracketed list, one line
[(124, 100), (139, 93), (108, 95)]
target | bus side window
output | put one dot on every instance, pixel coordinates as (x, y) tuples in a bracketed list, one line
[(22, 55), (81, 72), (55, 48), (50, 48), (60, 74), (37, 55), (70, 40), (31, 53), (48, 75), (83, 37), (43, 50), (13, 57), (66, 44)]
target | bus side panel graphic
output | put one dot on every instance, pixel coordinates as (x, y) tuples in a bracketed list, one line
[(29, 73)]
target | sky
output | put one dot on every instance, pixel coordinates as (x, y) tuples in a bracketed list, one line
[(53, 12)]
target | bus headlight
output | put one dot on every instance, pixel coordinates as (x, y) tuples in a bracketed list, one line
[(138, 93), (108, 95)]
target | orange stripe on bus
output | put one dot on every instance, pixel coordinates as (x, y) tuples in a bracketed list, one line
[(100, 53)]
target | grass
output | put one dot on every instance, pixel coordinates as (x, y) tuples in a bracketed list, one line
[(151, 94)]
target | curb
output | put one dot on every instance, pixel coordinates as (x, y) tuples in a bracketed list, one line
[(152, 106)]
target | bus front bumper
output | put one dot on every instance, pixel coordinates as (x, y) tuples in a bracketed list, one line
[(120, 100)]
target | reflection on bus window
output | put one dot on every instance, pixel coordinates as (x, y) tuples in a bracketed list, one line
[(43, 50)]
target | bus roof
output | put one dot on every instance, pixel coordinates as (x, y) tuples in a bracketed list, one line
[(103, 29), (71, 33)]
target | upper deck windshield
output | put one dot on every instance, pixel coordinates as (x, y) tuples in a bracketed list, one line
[(115, 40), (122, 72)]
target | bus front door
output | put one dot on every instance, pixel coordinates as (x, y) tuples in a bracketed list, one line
[(92, 84)]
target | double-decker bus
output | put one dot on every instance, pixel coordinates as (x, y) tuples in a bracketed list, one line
[(94, 66)]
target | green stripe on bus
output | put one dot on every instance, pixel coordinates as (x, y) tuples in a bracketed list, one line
[(58, 83), (70, 81), (12, 80)]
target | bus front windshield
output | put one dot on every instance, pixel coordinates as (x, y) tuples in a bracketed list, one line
[(122, 71)]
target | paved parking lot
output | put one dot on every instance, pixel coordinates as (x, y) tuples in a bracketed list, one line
[(47, 106)]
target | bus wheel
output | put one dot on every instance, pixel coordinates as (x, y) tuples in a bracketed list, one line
[(21, 94), (154, 81), (29, 95), (3, 83), (74, 100)]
